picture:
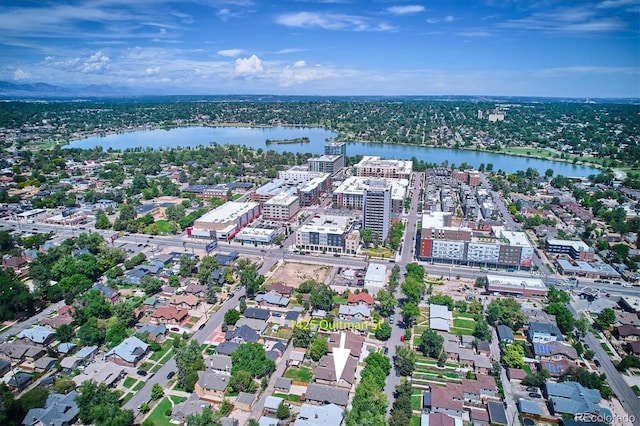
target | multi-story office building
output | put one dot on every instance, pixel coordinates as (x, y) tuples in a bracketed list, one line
[(371, 166), (442, 242), (578, 250), (225, 221), (331, 164), (350, 193), (282, 206), (376, 209), (335, 148), (331, 234)]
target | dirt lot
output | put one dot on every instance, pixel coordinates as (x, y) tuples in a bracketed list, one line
[(293, 274)]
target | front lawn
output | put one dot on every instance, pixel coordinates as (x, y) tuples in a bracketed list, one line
[(128, 382), (126, 398), (158, 416), (415, 421), (302, 374), (158, 355), (457, 314), (138, 386), (416, 402), (163, 227), (339, 300)]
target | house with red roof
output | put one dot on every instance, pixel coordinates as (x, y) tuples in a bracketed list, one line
[(360, 299)]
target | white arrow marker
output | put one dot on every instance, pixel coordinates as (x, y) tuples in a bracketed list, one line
[(340, 356)]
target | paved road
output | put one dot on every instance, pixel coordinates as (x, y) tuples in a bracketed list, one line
[(18, 327), (511, 409), (144, 394), (256, 410), (625, 395)]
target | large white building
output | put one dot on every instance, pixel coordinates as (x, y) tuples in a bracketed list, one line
[(225, 221), (331, 164), (331, 234), (350, 193), (283, 206), (375, 277), (371, 166), (376, 209)]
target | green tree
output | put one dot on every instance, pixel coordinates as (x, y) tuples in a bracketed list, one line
[(606, 318), (482, 330), (366, 236), (205, 418), (251, 357), (207, 266), (386, 302), (506, 311), (431, 343), (588, 379), (65, 333), (410, 313), (156, 391), (558, 296), (188, 361), (150, 285), (102, 221), (401, 410), (15, 298), (383, 331), (405, 360), (231, 316), (243, 304), (513, 356), (301, 337), (63, 385), (242, 381), (187, 265), (412, 290), (116, 334), (321, 297), (319, 347), (35, 398), (442, 299), (283, 411), (537, 379)]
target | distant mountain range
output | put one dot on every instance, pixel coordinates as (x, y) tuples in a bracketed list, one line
[(33, 91)]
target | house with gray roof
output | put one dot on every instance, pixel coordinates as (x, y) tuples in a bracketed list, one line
[(526, 406), (440, 318), (244, 401), (271, 404), (44, 364), (87, 353), (40, 336), (211, 386), (573, 398), (282, 384), (59, 410), (257, 325), (227, 348), (271, 299), (66, 348), (156, 332), (218, 363), (505, 334), (110, 294), (18, 352), (361, 312), (540, 332), (257, 313), (193, 405), (243, 334), (319, 415), (128, 353), (19, 381), (322, 395), (5, 367)]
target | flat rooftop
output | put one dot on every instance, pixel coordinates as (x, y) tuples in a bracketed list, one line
[(577, 245), (328, 224), (357, 185), (515, 282), (227, 212)]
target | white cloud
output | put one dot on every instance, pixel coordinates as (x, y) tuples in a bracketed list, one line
[(300, 64), (232, 53), (152, 70), (588, 70), (20, 74), (570, 20), (449, 18), (433, 20), (97, 63), (474, 34), (250, 65), (331, 21), (609, 4), (405, 10), (287, 51)]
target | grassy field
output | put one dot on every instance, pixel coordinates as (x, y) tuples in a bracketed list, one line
[(464, 323), (126, 398), (461, 331), (457, 314), (415, 421), (302, 374), (289, 397), (339, 300), (158, 416), (163, 226), (128, 382), (158, 355), (534, 152), (138, 386), (416, 402), (379, 252)]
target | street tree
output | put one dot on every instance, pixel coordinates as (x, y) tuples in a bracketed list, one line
[(410, 313), (405, 360), (383, 331), (431, 343), (231, 317), (386, 302)]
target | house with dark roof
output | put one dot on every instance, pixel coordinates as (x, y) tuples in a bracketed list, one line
[(627, 333), (134, 276), (110, 294), (556, 368), (257, 313), (633, 348), (18, 352), (227, 348), (255, 324), (59, 410), (353, 342), (447, 400), (19, 381), (217, 276), (193, 405), (243, 334), (572, 398), (326, 372), (271, 299), (282, 384), (5, 367), (554, 351), (39, 336), (539, 332), (218, 363), (244, 401), (281, 289), (227, 259), (211, 386), (44, 364), (505, 334), (157, 333), (497, 414), (128, 353), (199, 290), (322, 395)]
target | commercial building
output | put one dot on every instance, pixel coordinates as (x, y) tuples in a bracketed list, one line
[(328, 234), (225, 221), (283, 206), (576, 249), (442, 242), (308, 185), (350, 193), (371, 166), (335, 148), (375, 277), (256, 235), (516, 286), (331, 164), (376, 209)]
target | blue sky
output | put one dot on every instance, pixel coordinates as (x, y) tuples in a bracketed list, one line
[(578, 48)]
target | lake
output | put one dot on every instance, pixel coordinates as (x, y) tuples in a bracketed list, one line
[(255, 137)]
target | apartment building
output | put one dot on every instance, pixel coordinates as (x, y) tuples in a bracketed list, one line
[(372, 166)]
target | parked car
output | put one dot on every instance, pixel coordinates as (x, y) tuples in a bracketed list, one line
[(142, 373), (532, 389), (336, 255), (391, 319), (202, 326), (175, 329), (587, 347), (596, 362), (171, 374), (535, 395), (386, 350)]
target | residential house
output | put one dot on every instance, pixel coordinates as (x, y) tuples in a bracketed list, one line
[(110, 294), (516, 374), (87, 353), (323, 395), (554, 351), (193, 405), (134, 276), (526, 406), (353, 342), (39, 336), (572, 398), (14, 262), (539, 332), (318, 415), (128, 353), (628, 333), (497, 414), (360, 298), (199, 290), (361, 312), (479, 416), (255, 324), (101, 372), (227, 348), (187, 301), (633, 348), (483, 348), (447, 400), (70, 363), (227, 259), (244, 401), (505, 334), (439, 419), (218, 364), (257, 313), (19, 381), (282, 385), (5, 367), (17, 352), (296, 357), (218, 277), (556, 368), (66, 348), (169, 315), (242, 334), (440, 318), (326, 372), (271, 404), (157, 332), (58, 320), (211, 386), (271, 299), (44, 364), (281, 289), (59, 410)]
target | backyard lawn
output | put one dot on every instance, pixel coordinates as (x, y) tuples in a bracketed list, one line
[(464, 323), (302, 374), (461, 331), (339, 300), (163, 227)]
